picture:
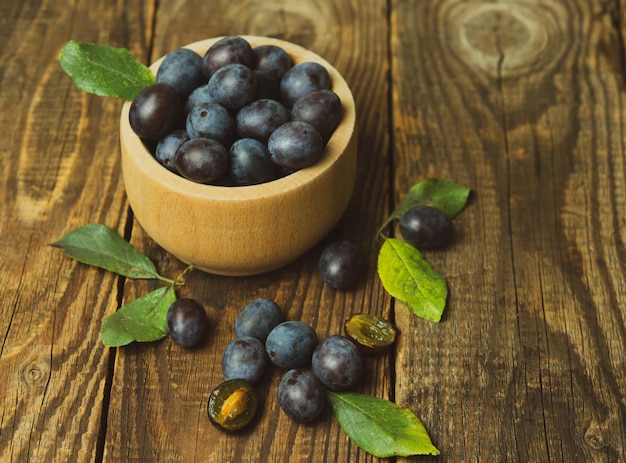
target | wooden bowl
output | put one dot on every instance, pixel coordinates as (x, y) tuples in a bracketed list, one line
[(244, 230)]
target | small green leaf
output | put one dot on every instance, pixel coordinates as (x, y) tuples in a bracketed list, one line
[(408, 276), (99, 245), (105, 70), (142, 320), (380, 427), (447, 196)]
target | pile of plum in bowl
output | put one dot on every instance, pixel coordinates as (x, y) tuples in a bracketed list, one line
[(242, 156)]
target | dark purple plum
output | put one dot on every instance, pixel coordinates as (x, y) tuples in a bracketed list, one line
[(200, 95), (187, 322), (321, 109), (260, 118), (302, 79), (258, 318), (233, 86), (290, 344), (201, 160), (251, 163), (337, 363), (295, 145), (211, 120), (426, 227), (183, 70), (167, 147), (155, 111), (229, 50), (244, 358), (273, 60), (301, 396), (340, 264)]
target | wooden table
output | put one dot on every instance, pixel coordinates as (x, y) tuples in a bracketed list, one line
[(524, 102)]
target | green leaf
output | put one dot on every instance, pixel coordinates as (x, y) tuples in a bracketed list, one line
[(380, 427), (447, 196), (408, 276), (99, 245), (142, 320), (105, 70)]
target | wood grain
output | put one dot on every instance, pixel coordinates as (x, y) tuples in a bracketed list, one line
[(160, 392), (60, 170), (618, 13), (524, 104)]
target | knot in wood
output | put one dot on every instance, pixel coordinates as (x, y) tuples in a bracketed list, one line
[(505, 38), (36, 372), (594, 437)]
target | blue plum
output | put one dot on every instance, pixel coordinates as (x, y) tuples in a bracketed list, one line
[(291, 343)]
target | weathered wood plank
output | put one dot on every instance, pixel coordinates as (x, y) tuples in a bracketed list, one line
[(158, 400), (524, 103), (60, 170), (521, 102), (620, 20)]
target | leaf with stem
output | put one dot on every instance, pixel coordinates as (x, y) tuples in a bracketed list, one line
[(101, 246)]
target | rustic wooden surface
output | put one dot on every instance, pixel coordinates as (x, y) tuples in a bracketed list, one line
[(523, 102)]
